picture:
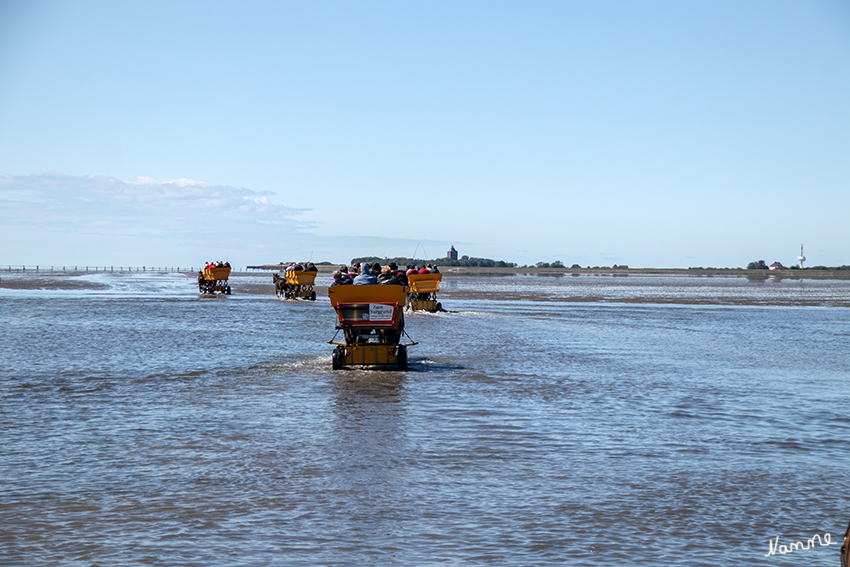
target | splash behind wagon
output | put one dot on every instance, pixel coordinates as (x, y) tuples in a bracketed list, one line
[(372, 322), (214, 280), (422, 295), (296, 284)]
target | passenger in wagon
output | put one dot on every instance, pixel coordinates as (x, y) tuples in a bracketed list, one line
[(365, 278), (340, 278), (400, 273), (389, 277)]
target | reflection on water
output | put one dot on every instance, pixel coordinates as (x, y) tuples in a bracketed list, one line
[(543, 421)]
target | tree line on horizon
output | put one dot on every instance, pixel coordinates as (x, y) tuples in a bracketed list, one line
[(468, 262), (463, 262), (761, 265)]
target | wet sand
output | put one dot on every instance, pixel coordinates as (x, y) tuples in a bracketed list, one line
[(637, 287), (620, 272), (52, 281)]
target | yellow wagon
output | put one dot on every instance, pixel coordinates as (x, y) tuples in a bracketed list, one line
[(422, 294), (214, 280), (295, 284), (371, 319)]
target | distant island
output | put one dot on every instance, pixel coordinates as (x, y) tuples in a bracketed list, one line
[(463, 262), (472, 265)]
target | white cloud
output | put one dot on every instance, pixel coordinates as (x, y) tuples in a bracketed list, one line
[(141, 205), (56, 219), (182, 182), (60, 218)]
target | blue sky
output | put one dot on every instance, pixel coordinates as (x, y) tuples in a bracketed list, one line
[(653, 134)]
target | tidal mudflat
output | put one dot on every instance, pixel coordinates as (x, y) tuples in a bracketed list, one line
[(576, 420)]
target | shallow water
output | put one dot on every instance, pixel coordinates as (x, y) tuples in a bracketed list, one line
[(543, 421)]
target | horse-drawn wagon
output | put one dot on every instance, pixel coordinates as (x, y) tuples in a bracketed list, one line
[(214, 280), (295, 284), (422, 294), (372, 321)]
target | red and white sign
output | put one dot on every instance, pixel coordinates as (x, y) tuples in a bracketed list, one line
[(380, 312)]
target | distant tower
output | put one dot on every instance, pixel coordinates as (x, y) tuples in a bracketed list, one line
[(801, 258), (452, 254)]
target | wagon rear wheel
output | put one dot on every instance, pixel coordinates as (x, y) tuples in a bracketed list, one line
[(336, 359), (401, 358)]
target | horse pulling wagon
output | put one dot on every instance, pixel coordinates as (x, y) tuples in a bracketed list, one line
[(214, 280), (422, 295), (372, 322), (295, 284)]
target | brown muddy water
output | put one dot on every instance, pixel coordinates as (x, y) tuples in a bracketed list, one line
[(543, 421)]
